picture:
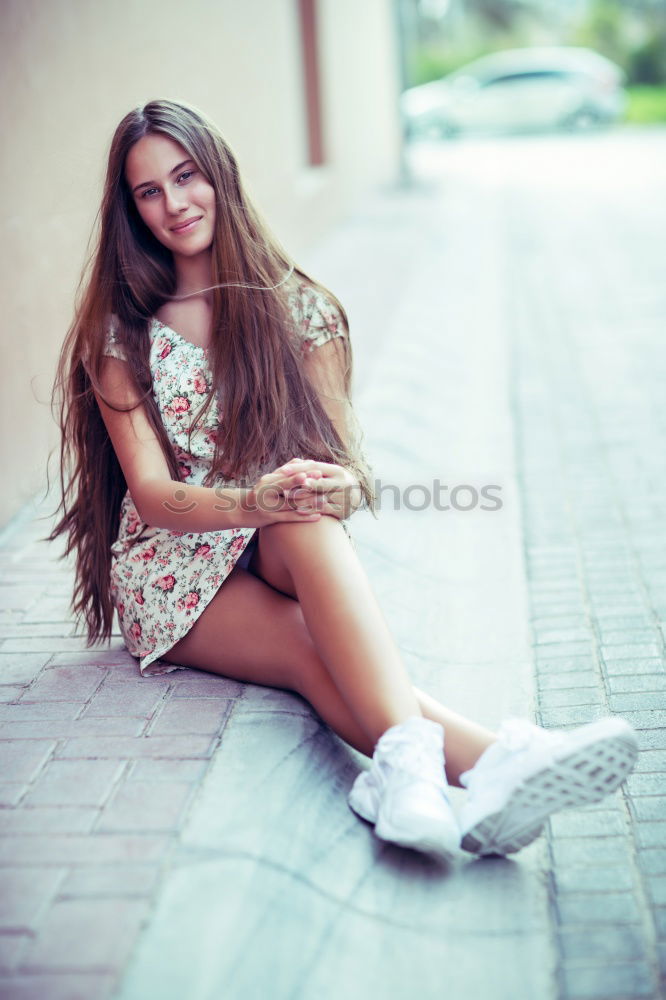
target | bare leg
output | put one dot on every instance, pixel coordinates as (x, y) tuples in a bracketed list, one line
[(252, 633), (359, 637), (284, 652), (464, 741), (318, 565)]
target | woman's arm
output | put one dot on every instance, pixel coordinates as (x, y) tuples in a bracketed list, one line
[(167, 503), (164, 502), (325, 367)]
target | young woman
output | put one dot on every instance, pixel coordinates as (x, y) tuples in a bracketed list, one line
[(210, 460)]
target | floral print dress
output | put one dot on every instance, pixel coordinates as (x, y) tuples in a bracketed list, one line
[(162, 579)]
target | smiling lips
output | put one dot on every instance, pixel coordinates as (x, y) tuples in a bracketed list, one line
[(185, 227)]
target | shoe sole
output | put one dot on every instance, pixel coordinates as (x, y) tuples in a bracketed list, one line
[(357, 805), (384, 830), (434, 844), (605, 755), (427, 845), (424, 845)]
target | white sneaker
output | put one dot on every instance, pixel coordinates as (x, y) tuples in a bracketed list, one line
[(530, 773), (404, 791)]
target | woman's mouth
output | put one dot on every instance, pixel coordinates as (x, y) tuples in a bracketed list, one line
[(186, 227)]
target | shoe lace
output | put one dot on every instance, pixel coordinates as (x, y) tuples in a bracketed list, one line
[(416, 758)]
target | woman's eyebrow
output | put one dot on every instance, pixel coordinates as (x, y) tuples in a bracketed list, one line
[(172, 171)]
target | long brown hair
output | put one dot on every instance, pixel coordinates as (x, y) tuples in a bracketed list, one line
[(270, 410)]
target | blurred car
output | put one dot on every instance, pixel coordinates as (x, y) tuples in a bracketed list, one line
[(519, 90)]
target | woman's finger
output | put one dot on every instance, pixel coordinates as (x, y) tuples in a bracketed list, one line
[(279, 479), (291, 463), (296, 515), (315, 503), (326, 484)]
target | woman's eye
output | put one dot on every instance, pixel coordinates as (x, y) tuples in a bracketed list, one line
[(182, 178)]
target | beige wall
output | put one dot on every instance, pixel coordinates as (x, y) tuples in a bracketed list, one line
[(70, 70)]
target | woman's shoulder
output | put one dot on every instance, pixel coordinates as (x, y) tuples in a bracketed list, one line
[(112, 346), (316, 315)]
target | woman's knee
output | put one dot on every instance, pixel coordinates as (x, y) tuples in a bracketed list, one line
[(286, 535), (289, 529), (285, 541)]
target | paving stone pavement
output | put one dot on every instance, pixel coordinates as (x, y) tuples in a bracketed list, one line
[(591, 436), (187, 836)]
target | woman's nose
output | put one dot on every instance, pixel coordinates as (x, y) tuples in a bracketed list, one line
[(174, 199)]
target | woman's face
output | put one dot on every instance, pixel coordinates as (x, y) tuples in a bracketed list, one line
[(169, 190)]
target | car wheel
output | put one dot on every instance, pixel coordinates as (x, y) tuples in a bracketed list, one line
[(582, 120), (447, 130)]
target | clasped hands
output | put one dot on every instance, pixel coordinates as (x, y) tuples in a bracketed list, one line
[(308, 487)]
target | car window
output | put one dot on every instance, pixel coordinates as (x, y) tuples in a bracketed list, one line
[(527, 75)]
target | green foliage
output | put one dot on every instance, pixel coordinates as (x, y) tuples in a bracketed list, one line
[(647, 105), (633, 38), (632, 34), (647, 62), (498, 15), (603, 30), (436, 49), (429, 64)]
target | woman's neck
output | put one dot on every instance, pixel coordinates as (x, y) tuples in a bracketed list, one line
[(193, 274)]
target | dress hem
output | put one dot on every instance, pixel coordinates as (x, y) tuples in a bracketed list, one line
[(153, 657)]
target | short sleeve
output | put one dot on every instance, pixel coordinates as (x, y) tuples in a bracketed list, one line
[(319, 319), (112, 347)]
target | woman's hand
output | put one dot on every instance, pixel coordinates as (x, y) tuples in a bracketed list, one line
[(271, 499), (326, 487)]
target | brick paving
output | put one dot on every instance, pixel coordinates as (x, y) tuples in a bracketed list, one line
[(137, 813), (98, 769), (587, 309)]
